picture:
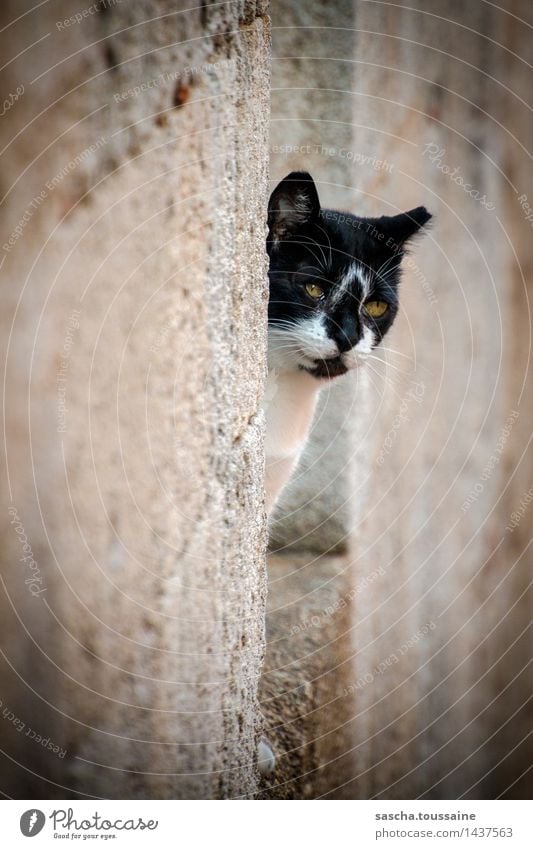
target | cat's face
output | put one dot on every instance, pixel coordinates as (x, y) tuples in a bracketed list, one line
[(333, 279)]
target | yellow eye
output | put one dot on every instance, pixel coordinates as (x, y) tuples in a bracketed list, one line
[(314, 291), (376, 308)]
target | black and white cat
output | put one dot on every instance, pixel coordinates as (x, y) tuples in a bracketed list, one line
[(333, 296)]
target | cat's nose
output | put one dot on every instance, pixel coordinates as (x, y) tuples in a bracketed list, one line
[(346, 343), (345, 332)]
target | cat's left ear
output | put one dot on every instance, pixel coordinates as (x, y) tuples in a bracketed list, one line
[(400, 228), (293, 204)]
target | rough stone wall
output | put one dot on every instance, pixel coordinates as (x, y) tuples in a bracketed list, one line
[(133, 319)]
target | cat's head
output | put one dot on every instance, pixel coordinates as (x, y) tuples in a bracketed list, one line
[(333, 279)]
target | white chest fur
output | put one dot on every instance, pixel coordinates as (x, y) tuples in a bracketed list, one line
[(289, 404)]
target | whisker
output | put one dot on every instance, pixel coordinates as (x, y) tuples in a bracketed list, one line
[(374, 386), (385, 379), (394, 351), (416, 364), (387, 265), (321, 264), (290, 346), (329, 245), (281, 322), (389, 365)]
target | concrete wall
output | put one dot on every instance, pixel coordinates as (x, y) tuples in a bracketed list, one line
[(133, 316)]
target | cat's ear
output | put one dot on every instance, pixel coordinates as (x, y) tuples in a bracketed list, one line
[(293, 204), (400, 228)]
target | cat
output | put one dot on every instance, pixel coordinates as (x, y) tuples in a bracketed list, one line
[(333, 281)]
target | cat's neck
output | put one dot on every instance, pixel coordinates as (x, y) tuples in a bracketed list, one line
[(289, 404), (290, 401)]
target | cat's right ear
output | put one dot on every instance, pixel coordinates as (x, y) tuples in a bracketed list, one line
[(293, 204)]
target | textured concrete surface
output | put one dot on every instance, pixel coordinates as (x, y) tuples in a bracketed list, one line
[(306, 706), (135, 368)]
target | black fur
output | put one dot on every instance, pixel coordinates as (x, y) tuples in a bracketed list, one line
[(309, 244)]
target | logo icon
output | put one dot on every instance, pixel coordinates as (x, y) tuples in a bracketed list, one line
[(32, 822)]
